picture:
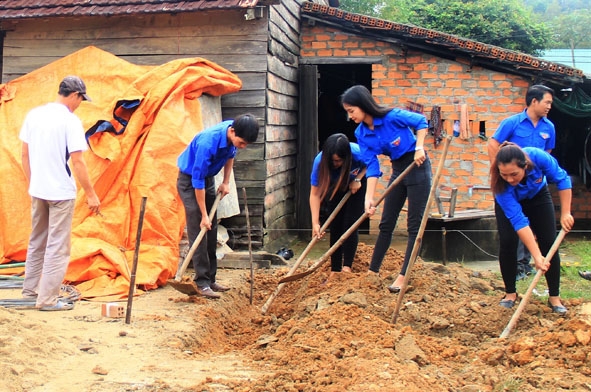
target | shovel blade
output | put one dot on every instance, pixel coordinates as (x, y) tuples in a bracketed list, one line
[(188, 288)]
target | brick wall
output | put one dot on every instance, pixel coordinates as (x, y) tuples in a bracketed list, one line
[(429, 80)]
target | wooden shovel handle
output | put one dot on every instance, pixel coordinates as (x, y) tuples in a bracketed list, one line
[(311, 244), (532, 286), (181, 271), (347, 233), (419, 240)]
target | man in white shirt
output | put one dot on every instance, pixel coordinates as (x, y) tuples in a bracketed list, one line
[(51, 135)]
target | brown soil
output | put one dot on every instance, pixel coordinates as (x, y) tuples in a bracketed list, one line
[(316, 336)]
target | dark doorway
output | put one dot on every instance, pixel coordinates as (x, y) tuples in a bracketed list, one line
[(573, 145), (333, 80)]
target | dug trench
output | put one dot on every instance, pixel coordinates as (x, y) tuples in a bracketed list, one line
[(316, 336)]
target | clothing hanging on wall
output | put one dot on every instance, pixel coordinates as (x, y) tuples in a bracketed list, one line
[(464, 122), (436, 124)]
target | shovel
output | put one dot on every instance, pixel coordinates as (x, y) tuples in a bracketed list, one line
[(190, 288), (532, 286), (295, 266), (322, 260)]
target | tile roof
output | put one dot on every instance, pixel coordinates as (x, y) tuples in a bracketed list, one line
[(20, 9), (420, 37)]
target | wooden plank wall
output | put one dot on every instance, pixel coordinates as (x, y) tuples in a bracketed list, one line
[(282, 121), (224, 37)]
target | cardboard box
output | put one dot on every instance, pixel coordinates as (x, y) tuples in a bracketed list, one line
[(113, 309)]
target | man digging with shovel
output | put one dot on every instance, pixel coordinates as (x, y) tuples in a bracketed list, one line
[(204, 157)]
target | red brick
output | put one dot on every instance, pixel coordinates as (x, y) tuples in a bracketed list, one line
[(485, 84)]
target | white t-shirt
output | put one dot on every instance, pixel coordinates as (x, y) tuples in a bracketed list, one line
[(52, 132)]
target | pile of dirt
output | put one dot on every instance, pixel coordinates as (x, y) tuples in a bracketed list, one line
[(316, 336), (338, 336)]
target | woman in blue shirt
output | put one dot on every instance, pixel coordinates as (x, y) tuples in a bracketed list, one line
[(391, 132), (524, 210), (337, 169)]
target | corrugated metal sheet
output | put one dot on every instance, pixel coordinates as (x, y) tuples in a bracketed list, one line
[(22, 9)]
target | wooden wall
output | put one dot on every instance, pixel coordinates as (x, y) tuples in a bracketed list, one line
[(282, 121), (224, 37)]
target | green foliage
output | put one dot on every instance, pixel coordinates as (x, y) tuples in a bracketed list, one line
[(504, 23), (572, 30), (364, 7), (568, 19)]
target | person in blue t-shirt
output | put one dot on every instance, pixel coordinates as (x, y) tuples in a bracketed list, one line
[(524, 210), (337, 169), (391, 132), (210, 150), (530, 128)]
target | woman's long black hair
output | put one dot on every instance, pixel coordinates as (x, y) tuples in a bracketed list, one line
[(361, 97), (338, 144)]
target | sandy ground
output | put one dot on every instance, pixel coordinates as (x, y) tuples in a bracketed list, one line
[(316, 336)]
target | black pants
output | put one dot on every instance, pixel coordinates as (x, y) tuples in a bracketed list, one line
[(204, 260), (542, 221), (415, 187), (345, 218)]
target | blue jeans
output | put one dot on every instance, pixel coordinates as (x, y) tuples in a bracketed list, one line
[(415, 187)]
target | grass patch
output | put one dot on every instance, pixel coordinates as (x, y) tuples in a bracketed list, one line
[(575, 256)]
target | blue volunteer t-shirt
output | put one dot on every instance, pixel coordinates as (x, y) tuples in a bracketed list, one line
[(356, 166), (207, 153), (392, 136), (546, 170), (520, 130)]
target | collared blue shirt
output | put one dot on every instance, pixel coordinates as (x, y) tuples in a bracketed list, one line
[(356, 166), (546, 170), (207, 153), (520, 130), (392, 135)]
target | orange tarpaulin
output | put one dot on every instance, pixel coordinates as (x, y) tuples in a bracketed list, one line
[(139, 161)]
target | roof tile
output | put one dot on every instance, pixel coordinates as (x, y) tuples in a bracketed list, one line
[(22, 9)]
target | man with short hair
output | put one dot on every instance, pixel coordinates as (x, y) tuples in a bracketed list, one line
[(530, 128), (51, 135), (210, 150)]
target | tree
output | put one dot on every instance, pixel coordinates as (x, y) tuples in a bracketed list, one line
[(504, 23), (572, 30), (364, 7)]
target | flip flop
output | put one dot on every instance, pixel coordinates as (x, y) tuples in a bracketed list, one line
[(58, 306), (585, 274)]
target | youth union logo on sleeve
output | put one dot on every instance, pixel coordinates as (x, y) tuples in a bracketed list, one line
[(539, 180), (545, 135), (395, 142)]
